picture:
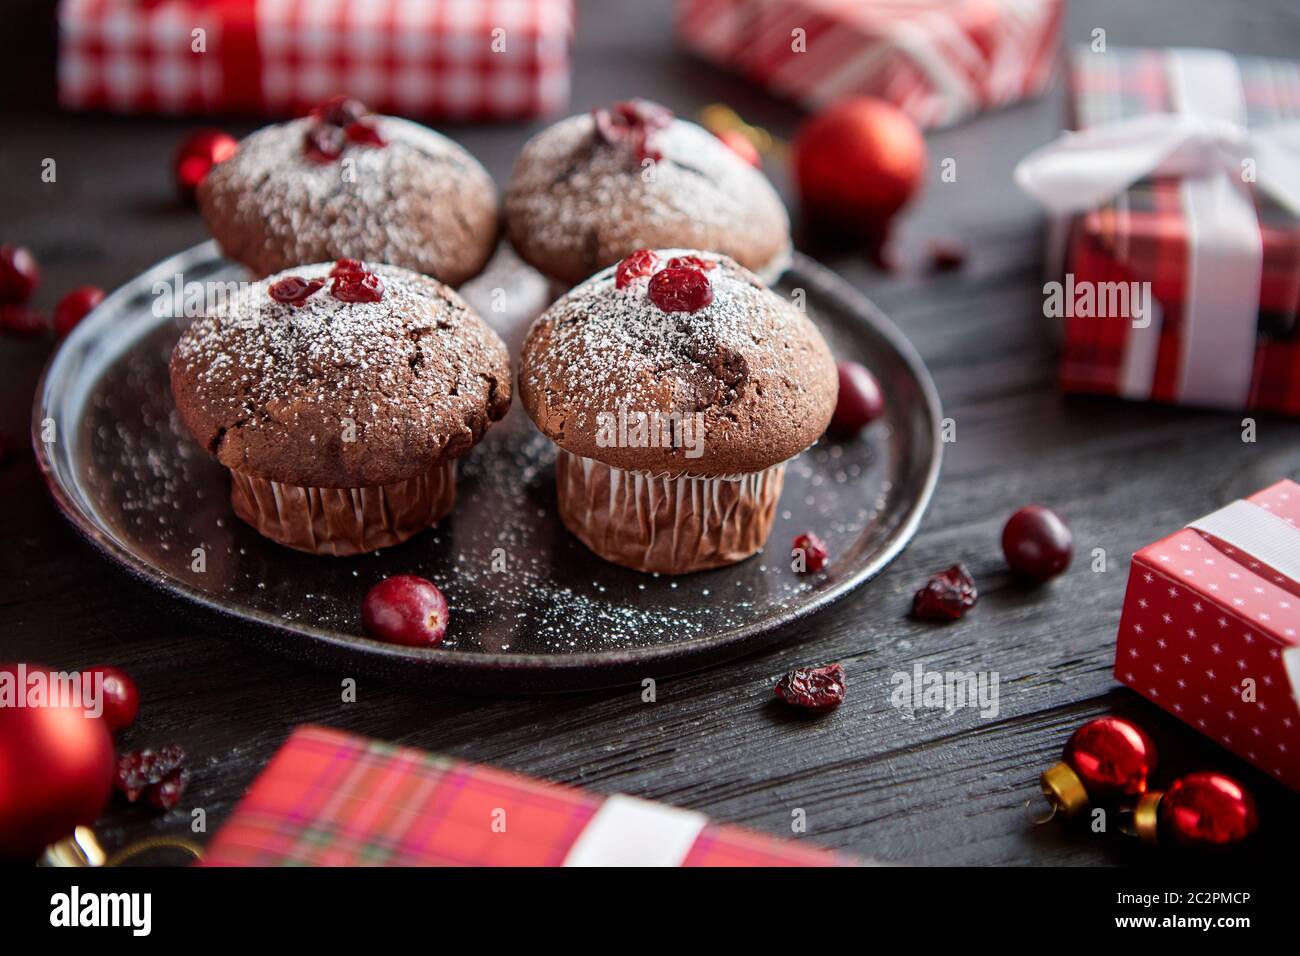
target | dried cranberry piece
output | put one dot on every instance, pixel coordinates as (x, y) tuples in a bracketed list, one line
[(814, 551), (691, 262), (167, 792), (946, 596), (636, 264), (633, 123), (365, 134), (680, 290), (817, 689), (357, 287), (323, 143), (295, 290), (348, 267), (141, 769), (340, 111)]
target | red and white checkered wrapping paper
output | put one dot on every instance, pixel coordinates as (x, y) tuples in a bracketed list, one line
[(937, 60), (1211, 628), (328, 798), (430, 58)]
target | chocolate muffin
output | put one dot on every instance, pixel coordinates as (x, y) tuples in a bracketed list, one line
[(340, 397), (593, 188), (677, 386), (346, 183)]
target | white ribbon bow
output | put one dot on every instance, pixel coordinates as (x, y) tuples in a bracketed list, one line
[(1206, 145), (1082, 170)]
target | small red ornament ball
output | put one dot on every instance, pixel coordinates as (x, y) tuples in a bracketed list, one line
[(197, 155), (1038, 545), (406, 609), (74, 307), (56, 769), (1207, 808), (120, 696), (857, 163), (1113, 757)]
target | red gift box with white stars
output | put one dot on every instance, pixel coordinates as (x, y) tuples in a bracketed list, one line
[(1211, 628)]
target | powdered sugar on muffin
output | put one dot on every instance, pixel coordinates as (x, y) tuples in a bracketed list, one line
[(421, 202), (341, 394), (577, 203)]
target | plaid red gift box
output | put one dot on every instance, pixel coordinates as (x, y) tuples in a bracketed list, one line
[(1211, 628), (1179, 195), (937, 60), (462, 59), (329, 798)]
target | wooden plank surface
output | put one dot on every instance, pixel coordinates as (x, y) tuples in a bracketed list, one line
[(924, 787)]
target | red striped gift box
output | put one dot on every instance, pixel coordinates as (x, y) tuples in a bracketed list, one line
[(1146, 235), (456, 59), (328, 798), (938, 60)]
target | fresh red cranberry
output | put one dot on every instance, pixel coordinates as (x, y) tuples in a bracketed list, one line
[(946, 596), (680, 290), (860, 400), (295, 290), (1037, 543), (340, 111), (634, 265), (364, 134), (141, 769), (19, 320), (406, 610), (196, 156), (741, 145), (348, 267), (74, 307), (813, 688), (691, 262), (121, 699), (633, 123), (323, 143), (814, 551), (357, 287), (167, 792), (19, 274), (946, 255)]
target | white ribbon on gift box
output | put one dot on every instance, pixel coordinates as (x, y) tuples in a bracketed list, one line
[(626, 831), (1264, 537), (1206, 144)]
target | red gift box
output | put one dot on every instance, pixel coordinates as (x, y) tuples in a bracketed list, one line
[(328, 798), (1211, 628), (937, 60), (1224, 289), (461, 59)]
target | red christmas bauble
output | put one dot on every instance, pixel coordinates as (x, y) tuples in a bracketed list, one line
[(197, 155), (1113, 757), (857, 163), (56, 766), (1207, 808)]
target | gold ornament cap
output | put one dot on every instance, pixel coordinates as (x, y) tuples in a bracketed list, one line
[(1146, 816), (1063, 789)]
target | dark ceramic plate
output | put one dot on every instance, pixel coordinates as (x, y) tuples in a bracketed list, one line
[(532, 609)]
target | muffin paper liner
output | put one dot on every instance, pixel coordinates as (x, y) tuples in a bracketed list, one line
[(664, 523), (344, 521)]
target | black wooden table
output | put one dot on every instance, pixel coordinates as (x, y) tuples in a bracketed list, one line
[(930, 788)]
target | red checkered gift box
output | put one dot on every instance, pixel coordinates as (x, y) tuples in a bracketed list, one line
[(328, 798), (1178, 199), (1211, 628), (938, 60), (474, 59)]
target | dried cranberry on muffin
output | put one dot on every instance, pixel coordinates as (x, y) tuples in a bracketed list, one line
[(340, 397), (591, 189), (677, 386), (344, 182)]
